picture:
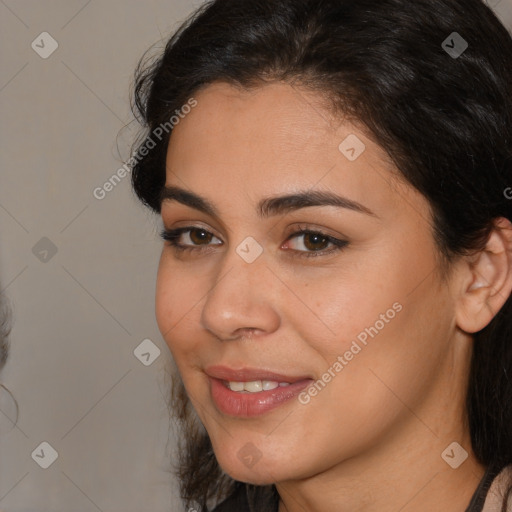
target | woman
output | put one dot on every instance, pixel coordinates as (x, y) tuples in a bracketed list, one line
[(335, 281)]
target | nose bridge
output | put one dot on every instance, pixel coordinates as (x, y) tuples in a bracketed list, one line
[(240, 299)]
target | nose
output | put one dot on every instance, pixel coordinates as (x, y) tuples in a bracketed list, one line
[(243, 300)]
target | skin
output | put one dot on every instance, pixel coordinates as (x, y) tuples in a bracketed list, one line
[(372, 439)]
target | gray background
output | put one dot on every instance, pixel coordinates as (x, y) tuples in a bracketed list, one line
[(80, 312)]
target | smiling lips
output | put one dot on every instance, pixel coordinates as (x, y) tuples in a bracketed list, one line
[(251, 392)]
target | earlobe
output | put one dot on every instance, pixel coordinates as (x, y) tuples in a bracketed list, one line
[(487, 280)]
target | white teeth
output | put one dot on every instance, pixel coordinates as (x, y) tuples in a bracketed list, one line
[(269, 384), (255, 386), (236, 386)]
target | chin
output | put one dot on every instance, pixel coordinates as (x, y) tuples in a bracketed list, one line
[(241, 467), (267, 470), (250, 476)]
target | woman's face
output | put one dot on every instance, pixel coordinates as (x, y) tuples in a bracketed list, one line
[(368, 320)]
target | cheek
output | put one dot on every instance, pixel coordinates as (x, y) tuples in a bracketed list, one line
[(379, 314), (351, 303), (391, 347), (177, 304), (165, 299)]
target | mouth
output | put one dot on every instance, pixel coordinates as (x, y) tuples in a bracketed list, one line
[(252, 392)]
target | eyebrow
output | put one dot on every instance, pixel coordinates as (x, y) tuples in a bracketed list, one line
[(269, 206)]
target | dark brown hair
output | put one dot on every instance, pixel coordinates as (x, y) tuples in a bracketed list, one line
[(5, 329), (444, 119)]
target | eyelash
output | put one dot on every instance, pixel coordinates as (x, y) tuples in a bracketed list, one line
[(172, 235)]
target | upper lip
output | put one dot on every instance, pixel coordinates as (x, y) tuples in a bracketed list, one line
[(249, 374)]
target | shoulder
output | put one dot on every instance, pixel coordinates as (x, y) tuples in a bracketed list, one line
[(498, 490)]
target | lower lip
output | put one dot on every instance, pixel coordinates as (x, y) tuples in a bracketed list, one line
[(246, 405)]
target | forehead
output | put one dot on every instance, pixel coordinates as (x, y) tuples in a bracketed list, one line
[(278, 115), (262, 141)]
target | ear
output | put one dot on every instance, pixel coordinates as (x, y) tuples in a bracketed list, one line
[(486, 280)]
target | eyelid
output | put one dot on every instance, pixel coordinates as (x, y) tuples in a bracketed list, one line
[(300, 228)]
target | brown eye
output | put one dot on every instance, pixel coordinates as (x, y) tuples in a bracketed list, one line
[(315, 241), (189, 239), (200, 236), (307, 242)]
